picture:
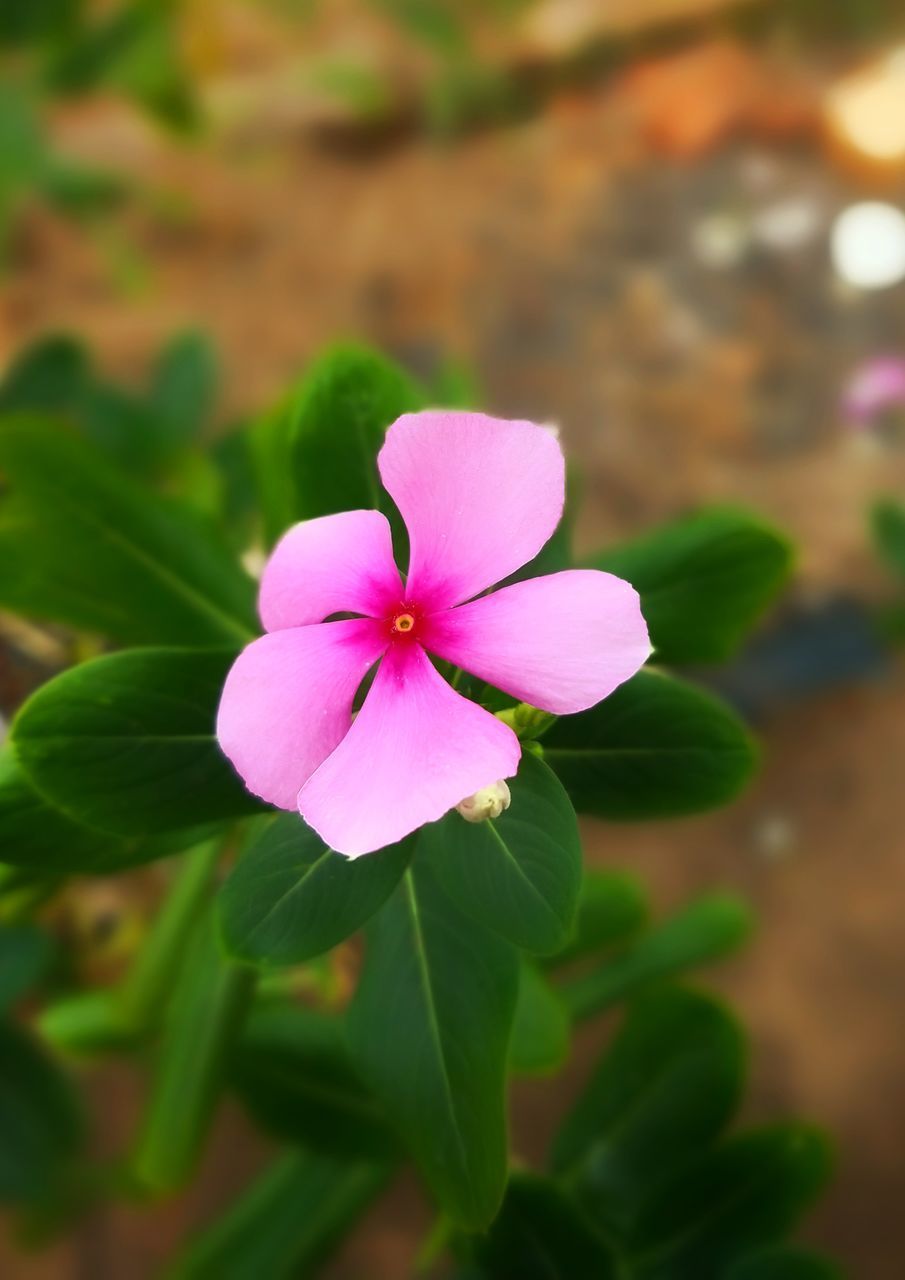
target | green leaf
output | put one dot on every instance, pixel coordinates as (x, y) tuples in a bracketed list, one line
[(37, 837), (293, 1073), (888, 528), (211, 998), (291, 898), (704, 581), (332, 428), (655, 748), (612, 908), (542, 1027), (666, 1087), (784, 1263), (51, 375), (429, 1028), (184, 387), (286, 1222), (750, 1191), (126, 742), (24, 955), (518, 874), (83, 544), (540, 1235), (705, 930), (40, 1124)]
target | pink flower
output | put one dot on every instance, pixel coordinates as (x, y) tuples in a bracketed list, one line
[(876, 385), (479, 496)]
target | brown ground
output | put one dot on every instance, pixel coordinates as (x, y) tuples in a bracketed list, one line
[(557, 259)]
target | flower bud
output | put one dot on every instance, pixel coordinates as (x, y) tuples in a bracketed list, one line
[(489, 802)]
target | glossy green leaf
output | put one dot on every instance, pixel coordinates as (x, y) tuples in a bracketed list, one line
[(291, 898), (888, 529), (707, 929), (293, 1073), (664, 1090), (518, 874), (210, 1001), (612, 908), (126, 742), (704, 580), (429, 1029), (656, 748), (34, 836), (542, 1027), (24, 955), (83, 544), (785, 1263), (749, 1191), (346, 402), (541, 1235), (40, 1123), (317, 452), (286, 1223)]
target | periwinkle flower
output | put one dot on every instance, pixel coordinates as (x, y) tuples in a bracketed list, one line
[(479, 497)]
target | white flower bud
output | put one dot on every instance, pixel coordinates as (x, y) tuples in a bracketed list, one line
[(489, 802)]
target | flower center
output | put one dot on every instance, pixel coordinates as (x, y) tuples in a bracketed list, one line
[(403, 622)]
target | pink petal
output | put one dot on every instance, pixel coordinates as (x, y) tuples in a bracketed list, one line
[(287, 702), (335, 564), (415, 750), (561, 643), (480, 496)]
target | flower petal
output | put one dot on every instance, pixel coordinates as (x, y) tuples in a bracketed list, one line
[(480, 496), (335, 564), (415, 750), (287, 702), (561, 643)]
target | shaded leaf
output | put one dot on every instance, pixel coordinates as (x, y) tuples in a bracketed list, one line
[(751, 1190), (664, 1090), (24, 955), (541, 1030), (656, 748), (293, 1073), (286, 1222), (785, 1263), (126, 742), (703, 931), (184, 387), (40, 1123), (429, 1028), (704, 580), (540, 1235), (291, 898), (518, 874), (83, 544), (612, 908)]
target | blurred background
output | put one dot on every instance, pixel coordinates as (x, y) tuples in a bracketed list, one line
[(674, 227)]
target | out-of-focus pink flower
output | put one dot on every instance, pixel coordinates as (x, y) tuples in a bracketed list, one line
[(875, 386), (479, 496)]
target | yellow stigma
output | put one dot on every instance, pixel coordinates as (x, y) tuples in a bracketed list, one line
[(403, 622)]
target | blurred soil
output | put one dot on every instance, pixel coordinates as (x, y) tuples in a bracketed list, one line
[(681, 322)]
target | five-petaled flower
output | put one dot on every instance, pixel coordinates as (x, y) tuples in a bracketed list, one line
[(479, 497)]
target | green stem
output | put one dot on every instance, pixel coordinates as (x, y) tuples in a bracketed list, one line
[(142, 998)]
